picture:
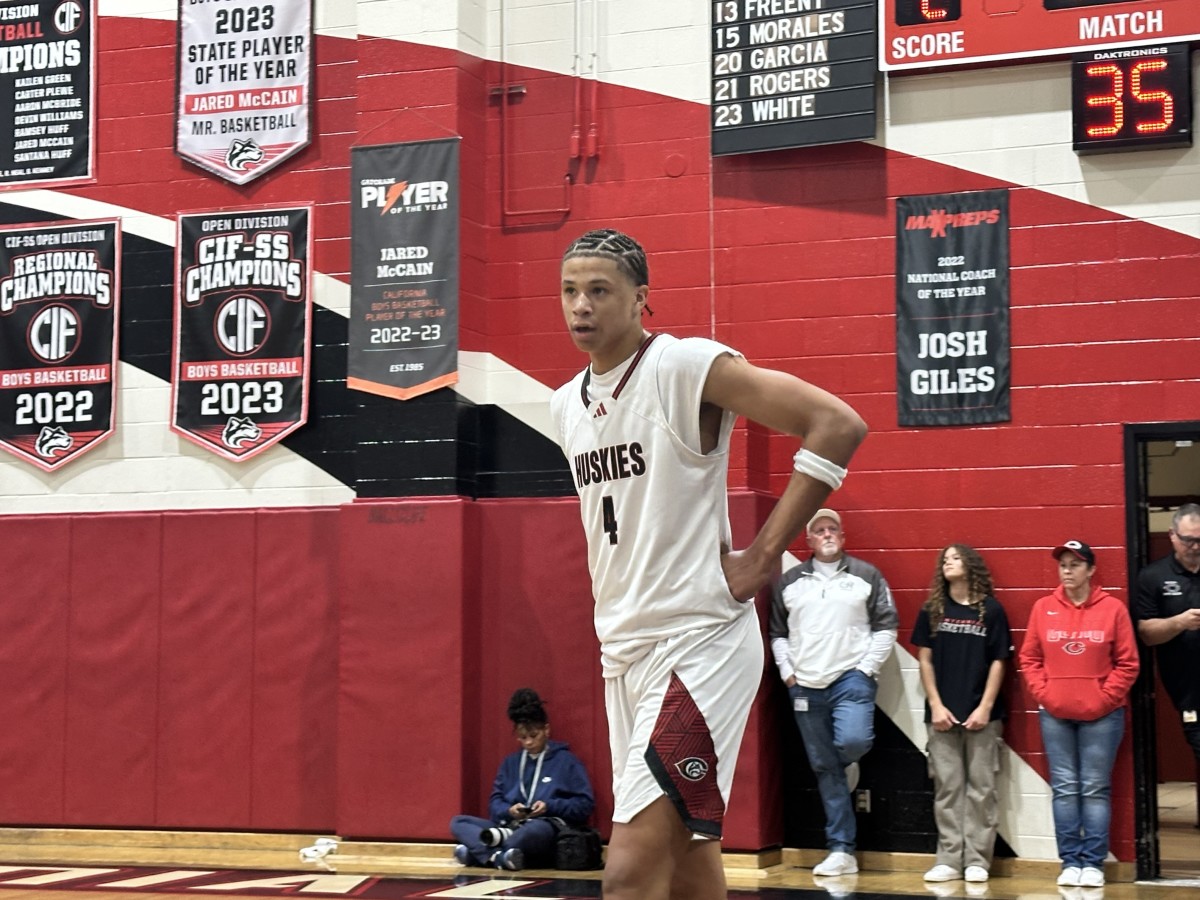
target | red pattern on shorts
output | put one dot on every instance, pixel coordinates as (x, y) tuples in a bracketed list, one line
[(682, 757)]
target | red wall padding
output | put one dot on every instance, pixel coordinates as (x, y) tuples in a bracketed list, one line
[(170, 670), (112, 655), (33, 665), (317, 670), (400, 738)]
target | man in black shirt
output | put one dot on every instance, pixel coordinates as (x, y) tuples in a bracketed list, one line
[(1167, 610)]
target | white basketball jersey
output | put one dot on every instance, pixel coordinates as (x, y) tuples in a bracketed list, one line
[(654, 507)]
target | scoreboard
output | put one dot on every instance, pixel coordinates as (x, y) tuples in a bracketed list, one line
[(1132, 99), (916, 34), (792, 73)]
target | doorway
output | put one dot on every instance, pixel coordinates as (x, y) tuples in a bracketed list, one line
[(1162, 466)]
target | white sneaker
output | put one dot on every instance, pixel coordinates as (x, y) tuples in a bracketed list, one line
[(837, 863), (1069, 877), (1091, 877), (852, 776), (943, 873), (976, 874)]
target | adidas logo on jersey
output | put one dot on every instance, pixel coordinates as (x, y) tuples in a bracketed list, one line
[(600, 411)]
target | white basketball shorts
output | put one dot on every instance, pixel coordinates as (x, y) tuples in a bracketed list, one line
[(676, 718)]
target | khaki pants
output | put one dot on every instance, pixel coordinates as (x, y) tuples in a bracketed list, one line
[(963, 766)]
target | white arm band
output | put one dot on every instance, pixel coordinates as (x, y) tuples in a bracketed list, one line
[(808, 463)]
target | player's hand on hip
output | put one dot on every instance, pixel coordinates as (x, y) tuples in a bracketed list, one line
[(744, 575)]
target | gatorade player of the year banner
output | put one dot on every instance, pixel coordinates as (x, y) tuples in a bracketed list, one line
[(59, 297), (403, 339), (243, 320)]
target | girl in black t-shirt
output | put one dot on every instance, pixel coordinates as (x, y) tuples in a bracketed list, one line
[(963, 640)]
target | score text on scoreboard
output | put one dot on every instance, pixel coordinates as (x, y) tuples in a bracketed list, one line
[(1133, 99), (792, 73), (921, 34)]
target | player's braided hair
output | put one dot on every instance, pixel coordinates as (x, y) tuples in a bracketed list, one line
[(608, 243), (525, 708)]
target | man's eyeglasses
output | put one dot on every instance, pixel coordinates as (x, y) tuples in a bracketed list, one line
[(1188, 540)]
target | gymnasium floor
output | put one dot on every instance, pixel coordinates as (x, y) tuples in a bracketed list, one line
[(42, 865)]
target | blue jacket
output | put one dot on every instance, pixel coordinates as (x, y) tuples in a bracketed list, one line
[(563, 786)]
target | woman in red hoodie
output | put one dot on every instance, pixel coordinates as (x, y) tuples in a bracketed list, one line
[(1079, 661)]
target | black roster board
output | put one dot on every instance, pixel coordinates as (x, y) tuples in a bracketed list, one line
[(792, 73)]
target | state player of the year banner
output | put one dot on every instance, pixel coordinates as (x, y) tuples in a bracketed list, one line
[(403, 335), (47, 92), (952, 309), (243, 323), (244, 81), (59, 308)]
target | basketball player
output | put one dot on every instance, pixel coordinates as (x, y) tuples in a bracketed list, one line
[(646, 431)]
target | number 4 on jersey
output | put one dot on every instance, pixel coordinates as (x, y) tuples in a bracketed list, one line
[(610, 519)]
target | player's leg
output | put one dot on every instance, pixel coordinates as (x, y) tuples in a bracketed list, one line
[(644, 852), (683, 709), (700, 873)]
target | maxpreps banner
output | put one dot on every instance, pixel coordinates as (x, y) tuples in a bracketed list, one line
[(47, 96), (404, 268), (59, 296), (952, 336), (242, 326), (245, 84)]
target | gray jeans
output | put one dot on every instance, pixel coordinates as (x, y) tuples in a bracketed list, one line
[(963, 766)]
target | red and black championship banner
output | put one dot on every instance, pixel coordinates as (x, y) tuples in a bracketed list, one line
[(243, 319), (60, 290), (47, 92), (404, 268), (244, 85), (952, 335)]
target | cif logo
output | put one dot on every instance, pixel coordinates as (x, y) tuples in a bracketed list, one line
[(386, 196), (1074, 648), (693, 768), (242, 324), (54, 333), (68, 16)]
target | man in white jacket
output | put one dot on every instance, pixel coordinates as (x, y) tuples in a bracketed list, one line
[(833, 625)]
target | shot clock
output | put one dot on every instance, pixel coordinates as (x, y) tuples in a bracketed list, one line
[(1132, 99), (921, 34)]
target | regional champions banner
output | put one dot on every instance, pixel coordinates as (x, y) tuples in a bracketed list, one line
[(952, 334), (404, 268), (60, 291), (47, 92), (244, 85), (243, 321)]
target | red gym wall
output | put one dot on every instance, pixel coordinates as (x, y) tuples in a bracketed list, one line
[(345, 669)]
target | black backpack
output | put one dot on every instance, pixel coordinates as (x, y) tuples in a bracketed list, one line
[(577, 848)]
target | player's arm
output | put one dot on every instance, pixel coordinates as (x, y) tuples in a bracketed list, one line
[(828, 428)]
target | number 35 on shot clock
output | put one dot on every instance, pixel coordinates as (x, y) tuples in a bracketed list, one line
[(1132, 98)]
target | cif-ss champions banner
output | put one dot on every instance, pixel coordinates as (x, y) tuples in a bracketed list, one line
[(952, 300), (47, 92), (243, 322), (404, 268), (244, 85), (60, 290)]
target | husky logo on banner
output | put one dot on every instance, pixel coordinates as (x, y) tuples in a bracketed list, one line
[(243, 319), (59, 297), (245, 85)]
